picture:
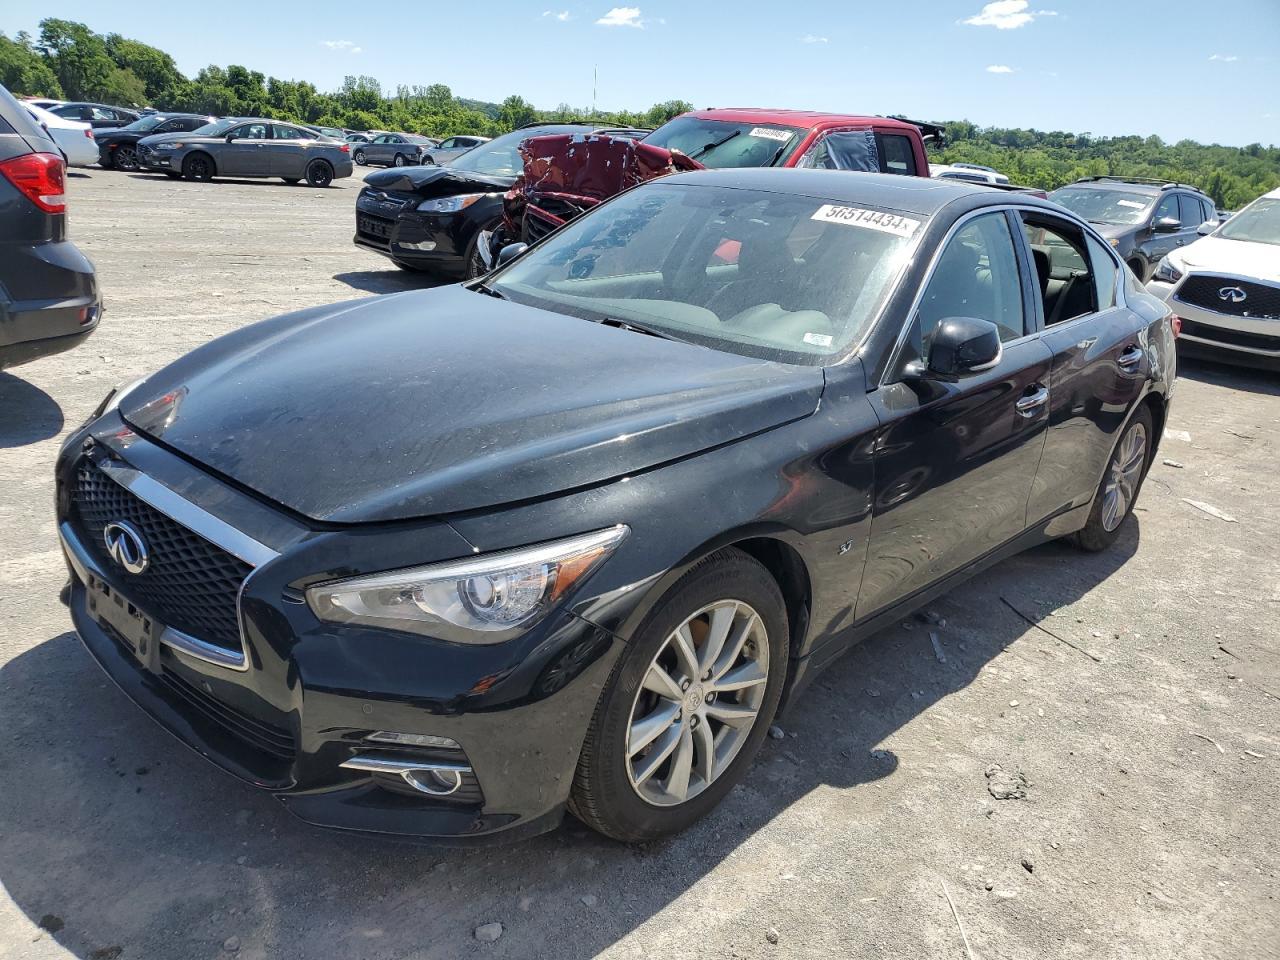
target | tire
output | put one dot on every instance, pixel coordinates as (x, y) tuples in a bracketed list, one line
[(198, 167), (125, 158), (626, 795), (1126, 469), (319, 173), (475, 263), (291, 181), (358, 157), (400, 160)]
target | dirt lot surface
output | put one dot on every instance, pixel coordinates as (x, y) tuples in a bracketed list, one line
[(1148, 736)]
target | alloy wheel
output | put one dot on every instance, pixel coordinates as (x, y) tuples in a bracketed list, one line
[(698, 702), (126, 158), (1123, 476)]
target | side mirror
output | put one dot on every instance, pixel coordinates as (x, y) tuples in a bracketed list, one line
[(1208, 227), (230, 138), (962, 345), (510, 252), (1167, 225)]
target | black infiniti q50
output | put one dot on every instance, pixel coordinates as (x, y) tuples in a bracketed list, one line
[(448, 563)]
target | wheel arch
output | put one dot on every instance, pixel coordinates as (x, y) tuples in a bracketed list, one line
[(213, 161)]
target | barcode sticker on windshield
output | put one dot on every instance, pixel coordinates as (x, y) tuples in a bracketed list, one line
[(1131, 203), (870, 219), (768, 133), (818, 339)]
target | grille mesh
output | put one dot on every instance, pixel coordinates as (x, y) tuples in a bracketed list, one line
[(190, 584), (1261, 302)]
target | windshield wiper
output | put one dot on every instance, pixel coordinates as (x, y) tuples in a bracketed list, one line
[(713, 146), (635, 328), (489, 291)]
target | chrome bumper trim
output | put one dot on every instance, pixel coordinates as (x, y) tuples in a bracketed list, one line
[(409, 770)]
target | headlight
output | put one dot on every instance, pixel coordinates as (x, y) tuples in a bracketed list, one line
[(450, 204), (482, 600), (167, 146), (1166, 271)]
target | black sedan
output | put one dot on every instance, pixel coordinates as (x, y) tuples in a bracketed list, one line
[(429, 218), (450, 562), (118, 148)]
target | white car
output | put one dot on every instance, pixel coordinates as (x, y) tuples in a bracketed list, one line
[(1225, 287), (971, 172), (73, 137)]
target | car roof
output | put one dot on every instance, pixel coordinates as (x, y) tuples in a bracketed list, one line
[(919, 195), (794, 118), (1132, 186)]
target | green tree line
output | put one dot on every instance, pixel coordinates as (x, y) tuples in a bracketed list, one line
[(70, 61)]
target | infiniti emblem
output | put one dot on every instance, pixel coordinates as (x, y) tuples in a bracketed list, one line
[(1232, 295), (126, 546)]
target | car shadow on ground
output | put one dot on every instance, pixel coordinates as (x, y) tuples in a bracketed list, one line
[(29, 414), (1230, 375), (390, 281), (120, 843), (160, 176)]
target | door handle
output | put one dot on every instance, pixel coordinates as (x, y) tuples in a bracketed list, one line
[(1029, 403), (1130, 359)]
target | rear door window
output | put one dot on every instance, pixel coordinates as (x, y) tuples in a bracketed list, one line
[(1063, 272), (896, 154), (1192, 212), (71, 112), (250, 131)]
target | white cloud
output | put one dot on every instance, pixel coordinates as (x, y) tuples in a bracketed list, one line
[(1007, 15), (810, 38), (1225, 57), (345, 45), (562, 15), (999, 68), (622, 17)]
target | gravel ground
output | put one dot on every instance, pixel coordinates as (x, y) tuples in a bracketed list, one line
[(1148, 762)]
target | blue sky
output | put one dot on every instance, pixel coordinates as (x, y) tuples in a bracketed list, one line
[(1208, 70)]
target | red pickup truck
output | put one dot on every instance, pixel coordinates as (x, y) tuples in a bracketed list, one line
[(567, 174)]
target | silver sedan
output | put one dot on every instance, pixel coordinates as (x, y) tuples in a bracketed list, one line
[(248, 147)]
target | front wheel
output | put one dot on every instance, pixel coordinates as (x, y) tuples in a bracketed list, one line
[(358, 157), (125, 158), (198, 166), (319, 173), (1120, 485), (688, 704)]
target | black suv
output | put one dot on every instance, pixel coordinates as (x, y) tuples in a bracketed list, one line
[(1142, 219), (48, 292)]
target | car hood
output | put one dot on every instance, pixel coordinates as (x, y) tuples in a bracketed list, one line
[(1114, 231), (1237, 258), (431, 182), (432, 402), (153, 138)]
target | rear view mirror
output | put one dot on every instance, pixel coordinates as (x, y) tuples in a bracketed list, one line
[(1207, 227), (1167, 225), (963, 345), (510, 252)]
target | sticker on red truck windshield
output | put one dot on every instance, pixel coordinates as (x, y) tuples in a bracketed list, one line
[(893, 223), (768, 133)]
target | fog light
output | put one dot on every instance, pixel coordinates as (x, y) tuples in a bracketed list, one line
[(413, 740), (424, 245)]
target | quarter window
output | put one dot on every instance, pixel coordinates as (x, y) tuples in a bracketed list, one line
[(896, 155), (975, 276)]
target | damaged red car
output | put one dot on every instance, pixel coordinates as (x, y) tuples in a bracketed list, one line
[(567, 174)]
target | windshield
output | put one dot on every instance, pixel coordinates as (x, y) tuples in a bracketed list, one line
[(500, 157), (719, 143), (146, 123), (1258, 223), (217, 128), (768, 275), (416, 138), (1104, 206)]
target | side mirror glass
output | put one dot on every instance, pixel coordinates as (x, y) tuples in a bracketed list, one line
[(1167, 225), (963, 345), (1207, 227), (510, 252), (230, 138)]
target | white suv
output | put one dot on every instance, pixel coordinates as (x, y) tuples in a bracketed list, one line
[(1225, 287)]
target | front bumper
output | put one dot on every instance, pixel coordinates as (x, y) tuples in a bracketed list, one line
[(296, 714), (1218, 336)]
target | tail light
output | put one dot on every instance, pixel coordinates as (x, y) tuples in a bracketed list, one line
[(1175, 321), (42, 179), (88, 132), (345, 148)]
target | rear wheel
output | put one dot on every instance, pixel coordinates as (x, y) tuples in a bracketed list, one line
[(198, 166), (1120, 484), (358, 157), (688, 704), (400, 160), (319, 173), (125, 157)]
